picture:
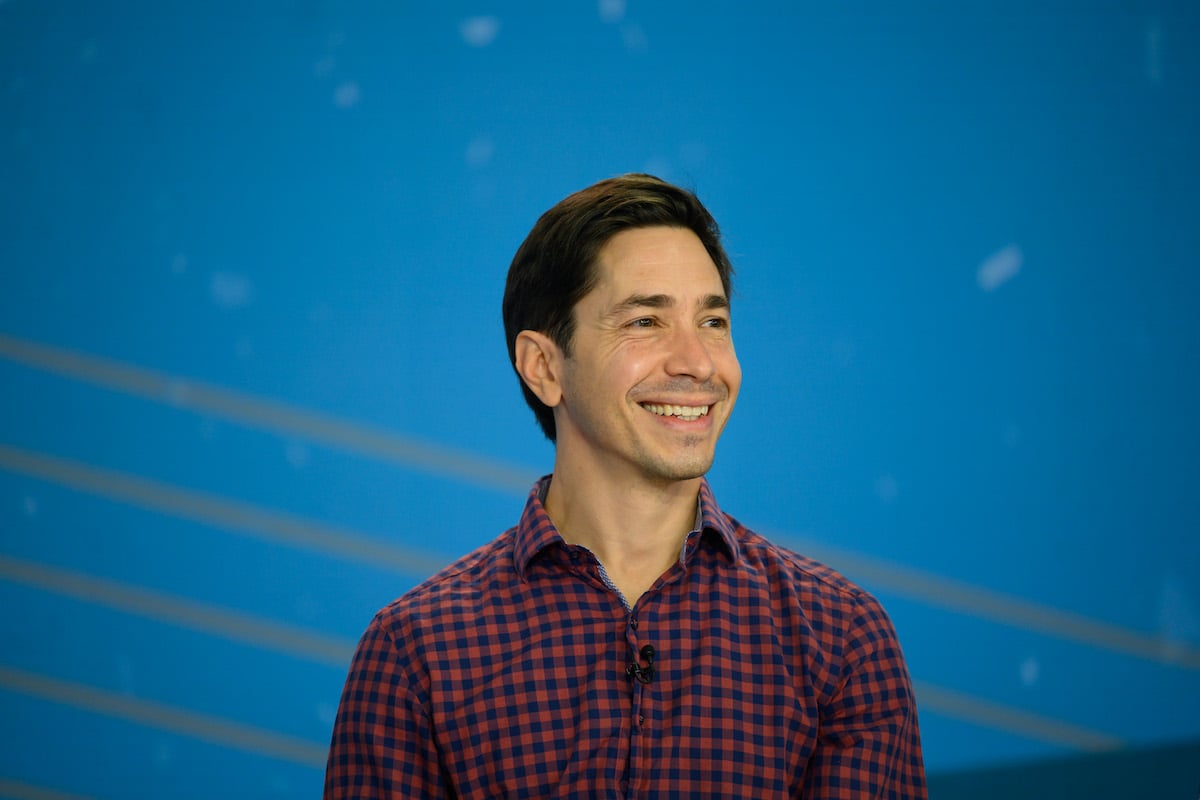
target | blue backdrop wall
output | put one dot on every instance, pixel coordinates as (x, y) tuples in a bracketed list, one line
[(253, 382)]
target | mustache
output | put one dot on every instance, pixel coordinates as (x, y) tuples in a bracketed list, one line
[(684, 386)]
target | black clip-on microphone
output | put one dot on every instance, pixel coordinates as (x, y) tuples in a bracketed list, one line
[(642, 674)]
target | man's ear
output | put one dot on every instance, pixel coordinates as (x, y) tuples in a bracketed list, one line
[(539, 363)]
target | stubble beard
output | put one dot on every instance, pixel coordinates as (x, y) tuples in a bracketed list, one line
[(694, 462)]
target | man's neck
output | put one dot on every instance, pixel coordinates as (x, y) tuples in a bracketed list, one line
[(636, 529)]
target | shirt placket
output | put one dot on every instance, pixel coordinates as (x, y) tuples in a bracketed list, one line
[(587, 567), (641, 699)]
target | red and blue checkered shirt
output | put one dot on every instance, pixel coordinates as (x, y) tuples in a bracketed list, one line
[(519, 671)]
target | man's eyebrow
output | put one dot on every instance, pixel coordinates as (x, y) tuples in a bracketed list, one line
[(635, 301), (715, 301), (710, 302)]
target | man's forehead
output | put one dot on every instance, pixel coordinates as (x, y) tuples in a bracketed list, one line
[(660, 262)]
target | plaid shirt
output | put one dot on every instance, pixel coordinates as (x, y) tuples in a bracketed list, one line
[(519, 671)]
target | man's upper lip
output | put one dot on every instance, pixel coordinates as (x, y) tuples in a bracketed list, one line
[(678, 402)]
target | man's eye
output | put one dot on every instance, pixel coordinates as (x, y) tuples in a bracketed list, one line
[(643, 322), (716, 322)]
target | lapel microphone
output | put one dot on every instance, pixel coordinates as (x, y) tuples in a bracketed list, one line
[(637, 671)]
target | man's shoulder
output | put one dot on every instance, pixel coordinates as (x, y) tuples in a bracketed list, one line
[(458, 589), (777, 563), (827, 606), (787, 567)]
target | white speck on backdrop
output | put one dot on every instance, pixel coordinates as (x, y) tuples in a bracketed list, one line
[(886, 489), (479, 31), (1030, 670), (324, 66), (612, 10), (297, 454), (999, 268), (326, 712), (634, 38), (479, 151), (347, 94), (229, 290)]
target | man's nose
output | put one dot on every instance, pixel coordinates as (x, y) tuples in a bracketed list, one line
[(689, 354)]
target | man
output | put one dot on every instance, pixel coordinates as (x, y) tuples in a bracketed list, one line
[(627, 638)]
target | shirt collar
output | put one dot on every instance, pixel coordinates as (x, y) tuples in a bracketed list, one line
[(535, 532)]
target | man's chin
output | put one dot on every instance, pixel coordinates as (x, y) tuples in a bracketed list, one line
[(678, 471)]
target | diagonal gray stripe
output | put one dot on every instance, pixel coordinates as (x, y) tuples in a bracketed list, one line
[(223, 623), (941, 592), (214, 510), (930, 589), (261, 742), (15, 790), (269, 415), (157, 715), (303, 644), (926, 588), (307, 645), (226, 623), (993, 715)]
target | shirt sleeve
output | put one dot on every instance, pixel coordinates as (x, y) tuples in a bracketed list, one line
[(869, 745), (382, 744)]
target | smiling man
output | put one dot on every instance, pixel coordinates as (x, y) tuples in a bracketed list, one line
[(627, 638)]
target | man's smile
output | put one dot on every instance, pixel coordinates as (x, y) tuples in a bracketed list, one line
[(685, 413)]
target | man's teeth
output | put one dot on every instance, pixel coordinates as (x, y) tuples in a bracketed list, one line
[(686, 413)]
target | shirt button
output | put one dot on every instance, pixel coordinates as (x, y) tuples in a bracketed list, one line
[(633, 623)]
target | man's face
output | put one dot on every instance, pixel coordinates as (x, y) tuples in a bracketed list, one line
[(652, 376)]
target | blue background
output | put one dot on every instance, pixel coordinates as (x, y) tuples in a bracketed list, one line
[(253, 382)]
